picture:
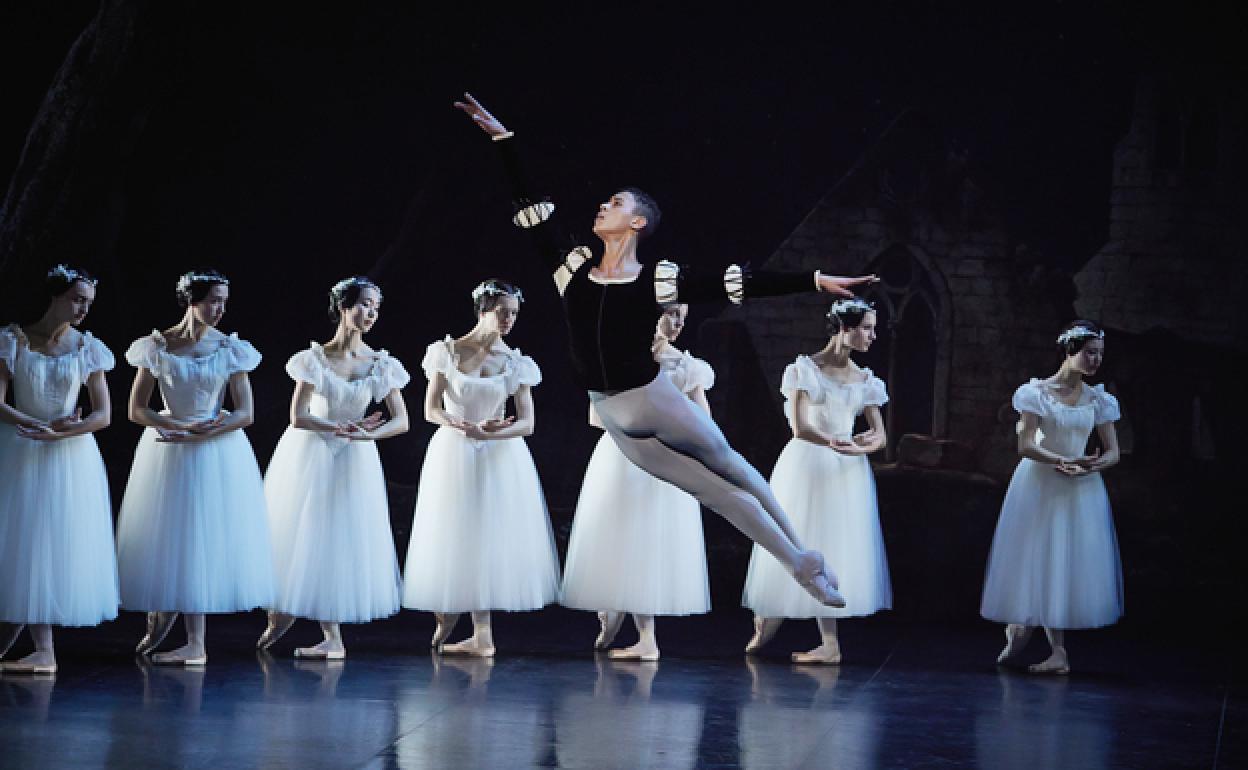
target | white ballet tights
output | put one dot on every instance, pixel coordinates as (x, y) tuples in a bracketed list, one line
[(194, 649), (1017, 635), (44, 654), (665, 434), (480, 644), (647, 646)]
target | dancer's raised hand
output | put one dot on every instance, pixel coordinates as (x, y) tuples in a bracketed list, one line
[(841, 285), (481, 116)]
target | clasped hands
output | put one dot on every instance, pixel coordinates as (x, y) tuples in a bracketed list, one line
[(361, 430), (53, 430), (189, 431), (854, 447), (481, 431), (1078, 466)]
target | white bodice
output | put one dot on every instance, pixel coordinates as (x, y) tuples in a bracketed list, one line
[(1065, 429), (193, 387), (341, 400), (478, 398), (830, 407), (46, 387)]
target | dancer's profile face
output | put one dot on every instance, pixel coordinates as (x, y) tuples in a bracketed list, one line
[(502, 317), (616, 216), (210, 310), (72, 306), (1089, 357), (364, 313), (861, 336), (672, 322)]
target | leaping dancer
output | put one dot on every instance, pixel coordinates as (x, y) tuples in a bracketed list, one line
[(609, 305)]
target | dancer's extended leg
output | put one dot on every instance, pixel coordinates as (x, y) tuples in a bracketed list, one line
[(665, 434)]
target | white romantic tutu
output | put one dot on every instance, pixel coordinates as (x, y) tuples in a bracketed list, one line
[(1054, 559), (636, 543), (330, 522), (830, 499), (193, 535), (481, 538), (57, 562)]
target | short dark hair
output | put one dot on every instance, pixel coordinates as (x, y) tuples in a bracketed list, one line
[(487, 294), (646, 206), (1075, 343), (346, 293), (62, 278), (194, 285)]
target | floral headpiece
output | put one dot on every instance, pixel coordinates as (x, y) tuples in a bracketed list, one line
[(340, 288), (1079, 333), (850, 305), (491, 288), (189, 279), (70, 275)]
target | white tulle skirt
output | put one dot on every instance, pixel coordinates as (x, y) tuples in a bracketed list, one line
[(1054, 559), (481, 537), (636, 543), (193, 534), (332, 548), (830, 499), (57, 561)]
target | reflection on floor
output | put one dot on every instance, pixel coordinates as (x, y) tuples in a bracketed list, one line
[(908, 696)]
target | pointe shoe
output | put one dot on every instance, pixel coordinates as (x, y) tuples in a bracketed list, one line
[(1016, 638), (276, 629), (468, 647), (156, 632), (174, 659), (764, 630), (812, 575), (1050, 667), (813, 657), (609, 625), (441, 631), (311, 653), (18, 667), (628, 653)]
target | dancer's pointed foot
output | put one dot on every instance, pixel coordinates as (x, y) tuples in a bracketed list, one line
[(814, 576), (825, 655), (279, 624), (608, 627), (186, 655), (445, 624), (642, 651), (35, 663), (330, 649), (158, 626), (1016, 638), (1056, 664), (477, 646), (764, 630)]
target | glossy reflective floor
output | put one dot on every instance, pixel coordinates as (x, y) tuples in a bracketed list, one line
[(908, 697)]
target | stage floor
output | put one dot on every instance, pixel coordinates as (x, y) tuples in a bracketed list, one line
[(908, 696)]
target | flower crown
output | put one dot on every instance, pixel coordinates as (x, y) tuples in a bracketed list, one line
[(69, 275), (850, 305), (188, 279), (492, 289), (1079, 333), (340, 288)]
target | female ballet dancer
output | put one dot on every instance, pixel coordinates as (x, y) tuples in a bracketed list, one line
[(328, 512), (481, 537), (57, 562), (636, 544), (193, 535), (1054, 560), (824, 481), (610, 307)]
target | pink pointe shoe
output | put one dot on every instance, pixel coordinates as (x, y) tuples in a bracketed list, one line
[(812, 575)]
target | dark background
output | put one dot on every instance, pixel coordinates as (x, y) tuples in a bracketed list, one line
[(290, 146)]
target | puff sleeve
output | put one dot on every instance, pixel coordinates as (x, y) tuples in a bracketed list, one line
[(144, 353), (306, 366), (390, 375), (1028, 398), (96, 357), (801, 375), (241, 355), (874, 391), (697, 373), (522, 370), (437, 358), (1106, 406)]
